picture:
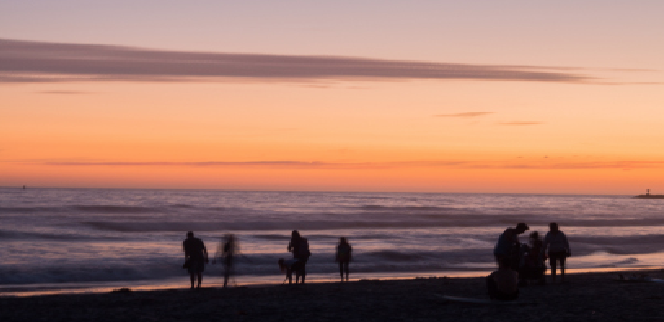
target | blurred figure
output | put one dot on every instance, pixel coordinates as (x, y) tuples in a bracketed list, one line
[(555, 242), (508, 245), (230, 248), (343, 257), (195, 256), (502, 284), (299, 246)]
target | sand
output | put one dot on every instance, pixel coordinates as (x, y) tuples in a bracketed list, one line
[(586, 297)]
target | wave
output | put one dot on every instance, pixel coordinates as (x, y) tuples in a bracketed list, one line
[(406, 208), (21, 235), (113, 209)]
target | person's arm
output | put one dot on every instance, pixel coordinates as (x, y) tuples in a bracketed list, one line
[(545, 244), (568, 250)]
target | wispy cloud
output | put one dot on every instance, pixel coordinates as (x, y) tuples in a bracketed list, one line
[(521, 123), (66, 92), (465, 114), (29, 61), (520, 163)]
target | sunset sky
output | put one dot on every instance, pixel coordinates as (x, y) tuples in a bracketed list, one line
[(440, 96)]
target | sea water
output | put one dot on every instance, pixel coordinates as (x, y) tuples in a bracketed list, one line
[(54, 240)]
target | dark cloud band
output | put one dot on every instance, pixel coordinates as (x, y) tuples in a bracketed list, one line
[(28, 61), (542, 164)]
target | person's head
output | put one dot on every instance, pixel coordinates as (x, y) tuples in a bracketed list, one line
[(295, 233), (343, 240), (521, 228), (553, 227), (534, 236), (190, 234)]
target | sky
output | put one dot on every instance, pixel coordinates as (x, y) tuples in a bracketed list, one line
[(424, 96)]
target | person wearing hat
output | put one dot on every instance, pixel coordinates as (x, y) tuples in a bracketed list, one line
[(508, 244)]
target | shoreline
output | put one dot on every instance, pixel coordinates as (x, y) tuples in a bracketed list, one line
[(212, 282), (585, 297)]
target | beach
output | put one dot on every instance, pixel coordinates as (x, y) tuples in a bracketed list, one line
[(585, 297)]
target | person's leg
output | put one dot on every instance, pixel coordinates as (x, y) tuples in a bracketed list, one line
[(289, 275), (341, 270), (192, 277), (562, 268), (303, 270), (552, 262), (227, 274), (200, 279), (346, 269)]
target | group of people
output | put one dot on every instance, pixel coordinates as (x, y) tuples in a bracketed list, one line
[(196, 256), (518, 263)]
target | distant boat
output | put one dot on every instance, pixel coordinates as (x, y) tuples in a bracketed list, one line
[(649, 196)]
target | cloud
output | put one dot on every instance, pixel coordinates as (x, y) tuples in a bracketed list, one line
[(30, 61), (465, 114), (519, 164), (521, 123), (63, 92)]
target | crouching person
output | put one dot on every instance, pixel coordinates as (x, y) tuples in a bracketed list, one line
[(290, 266), (503, 283)]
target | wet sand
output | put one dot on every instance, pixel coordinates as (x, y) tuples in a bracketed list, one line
[(586, 297)]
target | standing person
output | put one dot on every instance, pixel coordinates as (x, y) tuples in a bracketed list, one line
[(343, 257), (195, 256), (299, 246), (533, 265), (508, 245), (555, 242), (230, 249)]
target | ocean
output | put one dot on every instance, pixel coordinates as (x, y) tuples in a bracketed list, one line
[(90, 240)]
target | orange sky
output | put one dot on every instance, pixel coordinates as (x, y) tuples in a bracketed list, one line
[(567, 126)]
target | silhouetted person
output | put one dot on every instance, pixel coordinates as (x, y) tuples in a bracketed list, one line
[(299, 246), (508, 245), (502, 284), (555, 242), (533, 266), (230, 249), (195, 256), (343, 257)]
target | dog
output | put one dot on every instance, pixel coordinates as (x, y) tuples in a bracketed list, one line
[(290, 266)]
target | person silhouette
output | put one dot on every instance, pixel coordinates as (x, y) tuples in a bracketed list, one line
[(299, 246), (343, 257), (230, 249), (508, 245), (503, 283), (557, 245), (196, 256)]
